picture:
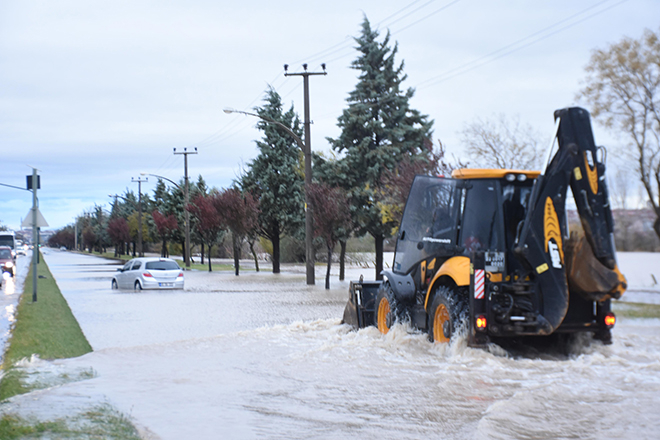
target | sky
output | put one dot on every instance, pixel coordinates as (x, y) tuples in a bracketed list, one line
[(94, 93)]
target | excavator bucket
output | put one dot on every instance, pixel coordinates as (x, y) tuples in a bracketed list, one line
[(359, 311), (588, 276)]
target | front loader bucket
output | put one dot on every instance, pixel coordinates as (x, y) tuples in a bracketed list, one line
[(588, 276), (359, 311)]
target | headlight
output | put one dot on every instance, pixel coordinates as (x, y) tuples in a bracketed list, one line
[(9, 264)]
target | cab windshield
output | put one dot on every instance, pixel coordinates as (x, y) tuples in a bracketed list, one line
[(429, 224)]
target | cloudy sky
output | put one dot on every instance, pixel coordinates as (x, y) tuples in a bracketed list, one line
[(94, 93)]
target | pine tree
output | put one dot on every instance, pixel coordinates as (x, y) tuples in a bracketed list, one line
[(379, 131), (275, 176)]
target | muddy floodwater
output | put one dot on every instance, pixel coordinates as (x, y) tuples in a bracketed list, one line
[(265, 356)]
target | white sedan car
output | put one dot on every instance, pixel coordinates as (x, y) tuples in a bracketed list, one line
[(149, 273)]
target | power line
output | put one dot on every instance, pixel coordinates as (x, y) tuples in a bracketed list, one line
[(412, 12), (398, 12), (344, 47), (471, 65), (425, 17)]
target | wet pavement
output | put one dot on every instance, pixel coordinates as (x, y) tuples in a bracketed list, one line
[(12, 287), (265, 356)]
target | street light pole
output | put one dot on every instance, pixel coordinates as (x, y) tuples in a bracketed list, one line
[(139, 182), (186, 196), (306, 147), (309, 208), (309, 225), (161, 177), (35, 234)]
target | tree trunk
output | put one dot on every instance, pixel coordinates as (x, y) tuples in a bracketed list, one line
[(379, 256), (254, 255), (327, 272), (209, 257), (183, 250), (163, 251), (237, 252), (133, 249), (202, 253), (276, 253), (656, 225), (342, 258)]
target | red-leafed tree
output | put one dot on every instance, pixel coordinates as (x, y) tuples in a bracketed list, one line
[(167, 226), (331, 217), (90, 238), (63, 237), (240, 214), (208, 221), (119, 233)]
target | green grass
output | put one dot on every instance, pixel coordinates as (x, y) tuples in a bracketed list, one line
[(636, 310), (46, 328), (14, 427), (100, 422)]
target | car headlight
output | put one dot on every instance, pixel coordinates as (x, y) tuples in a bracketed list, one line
[(9, 265)]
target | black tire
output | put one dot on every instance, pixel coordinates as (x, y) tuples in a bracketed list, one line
[(445, 315), (115, 286), (384, 308), (137, 285)]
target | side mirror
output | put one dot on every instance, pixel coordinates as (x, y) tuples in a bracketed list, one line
[(120, 269)]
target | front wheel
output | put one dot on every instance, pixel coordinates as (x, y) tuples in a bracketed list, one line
[(444, 315), (384, 308)]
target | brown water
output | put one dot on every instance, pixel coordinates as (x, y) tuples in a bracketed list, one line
[(263, 356)]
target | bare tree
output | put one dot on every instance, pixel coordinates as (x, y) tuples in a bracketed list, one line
[(622, 88), (500, 142)]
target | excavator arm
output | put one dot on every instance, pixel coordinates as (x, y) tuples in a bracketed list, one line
[(557, 265)]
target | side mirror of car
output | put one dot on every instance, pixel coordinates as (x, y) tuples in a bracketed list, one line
[(121, 269)]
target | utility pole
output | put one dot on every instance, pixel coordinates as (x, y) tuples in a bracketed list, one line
[(309, 217), (139, 182), (186, 195)]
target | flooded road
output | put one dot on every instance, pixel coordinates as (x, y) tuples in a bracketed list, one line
[(264, 356), (9, 296)]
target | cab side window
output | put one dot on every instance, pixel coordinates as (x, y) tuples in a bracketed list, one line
[(127, 266), (136, 265)]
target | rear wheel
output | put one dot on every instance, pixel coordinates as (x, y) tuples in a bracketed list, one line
[(384, 308), (444, 315), (137, 286), (114, 285)]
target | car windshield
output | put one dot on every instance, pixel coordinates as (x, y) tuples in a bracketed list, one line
[(162, 265), (5, 253)]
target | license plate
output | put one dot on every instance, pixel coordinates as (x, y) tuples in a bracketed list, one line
[(166, 284)]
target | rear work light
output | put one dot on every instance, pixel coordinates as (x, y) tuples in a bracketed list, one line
[(180, 275), (147, 274), (609, 320), (481, 322)]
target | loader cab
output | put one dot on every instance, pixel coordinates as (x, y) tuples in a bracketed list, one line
[(475, 210), (429, 227)]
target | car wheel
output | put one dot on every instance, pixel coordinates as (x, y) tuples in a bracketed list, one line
[(114, 285), (137, 286)]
